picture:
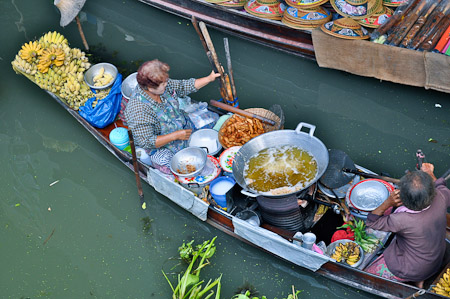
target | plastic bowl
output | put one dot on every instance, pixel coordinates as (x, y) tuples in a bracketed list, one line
[(128, 85), (188, 162), (95, 69), (332, 247), (208, 139)]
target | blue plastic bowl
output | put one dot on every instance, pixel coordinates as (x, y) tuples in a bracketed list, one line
[(219, 188)]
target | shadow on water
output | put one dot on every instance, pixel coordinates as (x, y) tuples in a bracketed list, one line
[(98, 241)]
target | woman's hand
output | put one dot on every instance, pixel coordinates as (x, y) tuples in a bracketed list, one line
[(183, 134), (200, 82), (213, 76)]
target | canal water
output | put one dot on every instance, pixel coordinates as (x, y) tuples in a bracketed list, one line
[(70, 220)]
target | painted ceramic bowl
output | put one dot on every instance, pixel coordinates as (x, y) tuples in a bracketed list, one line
[(378, 18), (227, 157), (269, 9), (233, 3), (362, 11), (305, 17), (305, 3), (345, 28), (394, 3)]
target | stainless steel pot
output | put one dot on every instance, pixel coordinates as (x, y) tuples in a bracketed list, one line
[(306, 141)]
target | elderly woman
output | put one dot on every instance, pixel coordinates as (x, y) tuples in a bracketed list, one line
[(153, 114), (417, 251)]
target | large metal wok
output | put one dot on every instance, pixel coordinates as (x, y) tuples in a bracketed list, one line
[(305, 141)]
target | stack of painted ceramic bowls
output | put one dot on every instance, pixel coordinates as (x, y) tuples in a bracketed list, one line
[(267, 9), (346, 28), (368, 13), (305, 18), (305, 14), (378, 18)]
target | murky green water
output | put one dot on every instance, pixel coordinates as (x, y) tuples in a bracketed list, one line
[(83, 236)]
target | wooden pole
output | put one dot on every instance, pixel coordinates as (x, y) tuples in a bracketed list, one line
[(83, 38), (136, 167), (209, 43), (230, 68)]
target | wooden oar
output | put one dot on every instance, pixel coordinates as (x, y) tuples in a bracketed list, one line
[(136, 167), (241, 112), (215, 67), (229, 67), (209, 43)]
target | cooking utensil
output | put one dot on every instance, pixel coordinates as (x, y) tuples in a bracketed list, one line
[(241, 112), (95, 70), (306, 141), (368, 194), (208, 139), (128, 85), (334, 177), (187, 158)]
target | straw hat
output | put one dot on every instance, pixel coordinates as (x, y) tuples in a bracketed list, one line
[(305, 18), (305, 3), (345, 28), (216, 1), (394, 3), (345, 9), (268, 9), (233, 3), (69, 9), (378, 18)]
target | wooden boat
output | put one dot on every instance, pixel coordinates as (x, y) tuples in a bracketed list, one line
[(238, 22), (257, 236)]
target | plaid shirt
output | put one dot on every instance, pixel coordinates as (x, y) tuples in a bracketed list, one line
[(140, 116)]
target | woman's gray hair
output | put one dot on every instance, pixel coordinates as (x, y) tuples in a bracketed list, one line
[(416, 190)]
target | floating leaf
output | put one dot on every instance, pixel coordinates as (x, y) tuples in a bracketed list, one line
[(432, 140)]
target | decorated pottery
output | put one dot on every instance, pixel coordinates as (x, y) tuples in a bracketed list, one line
[(209, 173), (305, 3), (227, 157), (233, 3), (268, 9), (305, 18), (394, 3), (345, 28), (362, 11), (378, 18)]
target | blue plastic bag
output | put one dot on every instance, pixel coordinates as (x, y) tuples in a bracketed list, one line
[(106, 110)]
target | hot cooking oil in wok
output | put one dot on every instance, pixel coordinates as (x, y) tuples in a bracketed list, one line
[(280, 170)]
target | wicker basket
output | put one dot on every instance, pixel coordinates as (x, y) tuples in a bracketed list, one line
[(275, 113)]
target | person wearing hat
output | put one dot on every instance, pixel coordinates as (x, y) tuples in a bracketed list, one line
[(158, 124), (419, 224)]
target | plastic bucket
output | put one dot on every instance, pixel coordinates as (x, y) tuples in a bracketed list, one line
[(219, 188), (119, 137)]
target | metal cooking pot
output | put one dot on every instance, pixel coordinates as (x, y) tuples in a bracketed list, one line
[(305, 141)]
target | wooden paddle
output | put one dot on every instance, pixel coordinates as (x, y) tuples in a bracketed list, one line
[(136, 167), (241, 112), (229, 67)]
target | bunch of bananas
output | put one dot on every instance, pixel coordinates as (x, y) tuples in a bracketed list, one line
[(348, 252), (99, 95), (30, 51), (52, 38), (24, 66), (102, 78), (52, 56), (443, 286), (56, 67)]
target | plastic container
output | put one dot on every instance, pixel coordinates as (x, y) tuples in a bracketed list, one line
[(143, 156), (219, 188), (119, 137)]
